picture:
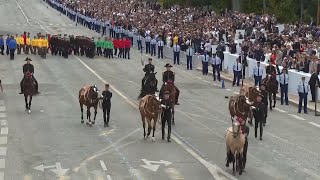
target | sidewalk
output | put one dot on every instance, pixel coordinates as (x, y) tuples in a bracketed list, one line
[(293, 99)]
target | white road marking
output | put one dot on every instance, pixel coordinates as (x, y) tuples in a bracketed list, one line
[(236, 92), (2, 108), (3, 140), (109, 177), (280, 110), (213, 169), (228, 89), (4, 130), (2, 163), (3, 122), (315, 124), (3, 151), (103, 165), (297, 117), (3, 115), (173, 173)]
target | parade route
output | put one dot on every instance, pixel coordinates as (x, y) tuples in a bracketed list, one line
[(51, 143)]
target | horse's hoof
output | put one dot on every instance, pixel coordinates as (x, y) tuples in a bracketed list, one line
[(87, 123), (29, 111), (144, 138), (93, 122), (82, 122), (153, 139), (90, 125)]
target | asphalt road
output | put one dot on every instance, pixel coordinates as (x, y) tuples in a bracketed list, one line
[(52, 133)]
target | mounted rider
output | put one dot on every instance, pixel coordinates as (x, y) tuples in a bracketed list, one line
[(148, 69), (28, 67), (168, 77), (271, 70)]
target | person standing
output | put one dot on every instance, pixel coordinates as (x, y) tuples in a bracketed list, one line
[(258, 113), (284, 80), (8, 39), (237, 69), (1, 44), (153, 43), (160, 48), (166, 115), (303, 89), (313, 82), (189, 53), (106, 105), (216, 63), (139, 39), (12, 45), (264, 93), (147, 41), (127, 46), (176, 54), (257, 74), (205, 59)]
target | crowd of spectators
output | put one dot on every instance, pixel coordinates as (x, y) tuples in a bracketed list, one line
[(295, 47)]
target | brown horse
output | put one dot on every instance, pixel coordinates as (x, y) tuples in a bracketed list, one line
[(235, 142), (239, 106), (88, 96), (271, 84), (250, 92), (169, 86), (150, 109), (29, 89)]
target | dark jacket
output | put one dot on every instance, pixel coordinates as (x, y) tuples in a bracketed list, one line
[(148, 68), (259, 111), (28, 67), (314, 79), (106, 99), (166, 111), (168, 75)]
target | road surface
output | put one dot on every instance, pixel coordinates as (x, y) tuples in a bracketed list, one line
[(51, 142)]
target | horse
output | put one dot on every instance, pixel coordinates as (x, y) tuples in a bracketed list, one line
[(29, 89), (150, 86), (150, 109), (169, 86), (271, 84), (235, 142), (250, 92), (88, 96), (239, 106)]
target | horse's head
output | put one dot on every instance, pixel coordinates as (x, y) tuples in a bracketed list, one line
[(254, 93), (152, 79), (93, 93), (235, 129), (156, 103)]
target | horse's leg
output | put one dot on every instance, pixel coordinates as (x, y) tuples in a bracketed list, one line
[(154, 127), (173, 123), (88, 116), (274, 99), (240, 163), (81, 107), (144, 126), (270, 101), (228, 158), (95, 115), (149, 127), (233, 169), (30, 99)]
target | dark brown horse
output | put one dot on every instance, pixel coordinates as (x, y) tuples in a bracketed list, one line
[(150, 86), (250, 92), (150, 110), (271, 84), (88, 96), (169, 86), (29, 89), (240, 106)]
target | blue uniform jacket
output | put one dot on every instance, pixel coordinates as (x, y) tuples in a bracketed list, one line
[(12, 44), (1, 41), (7, 41)]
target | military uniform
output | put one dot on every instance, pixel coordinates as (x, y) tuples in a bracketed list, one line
[(106, 106), (259, 116), (265, 101), (166, 115), (28, 68), (148, 68)]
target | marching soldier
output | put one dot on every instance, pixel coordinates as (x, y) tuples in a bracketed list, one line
[(166, 115), (28, 67), (258, 113), (168, 75), (106, 105)]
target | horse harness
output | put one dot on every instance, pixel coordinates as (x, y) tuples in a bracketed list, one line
[(236, 108)]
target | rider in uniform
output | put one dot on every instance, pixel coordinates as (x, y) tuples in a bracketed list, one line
[(259, 115), (106, 105), (148, 69), (168, 75), (271, 70), (28, 68), (166, 115)]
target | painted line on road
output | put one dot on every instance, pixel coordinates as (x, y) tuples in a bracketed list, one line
[(2, 163), (103, 165), (280, 110), (3, 115), (4, 130), (3, 122), (3, 151), (315, 124), (228, 89), (296, 117), (3, 140), (236, 92), (213, 169), (109, 177)]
